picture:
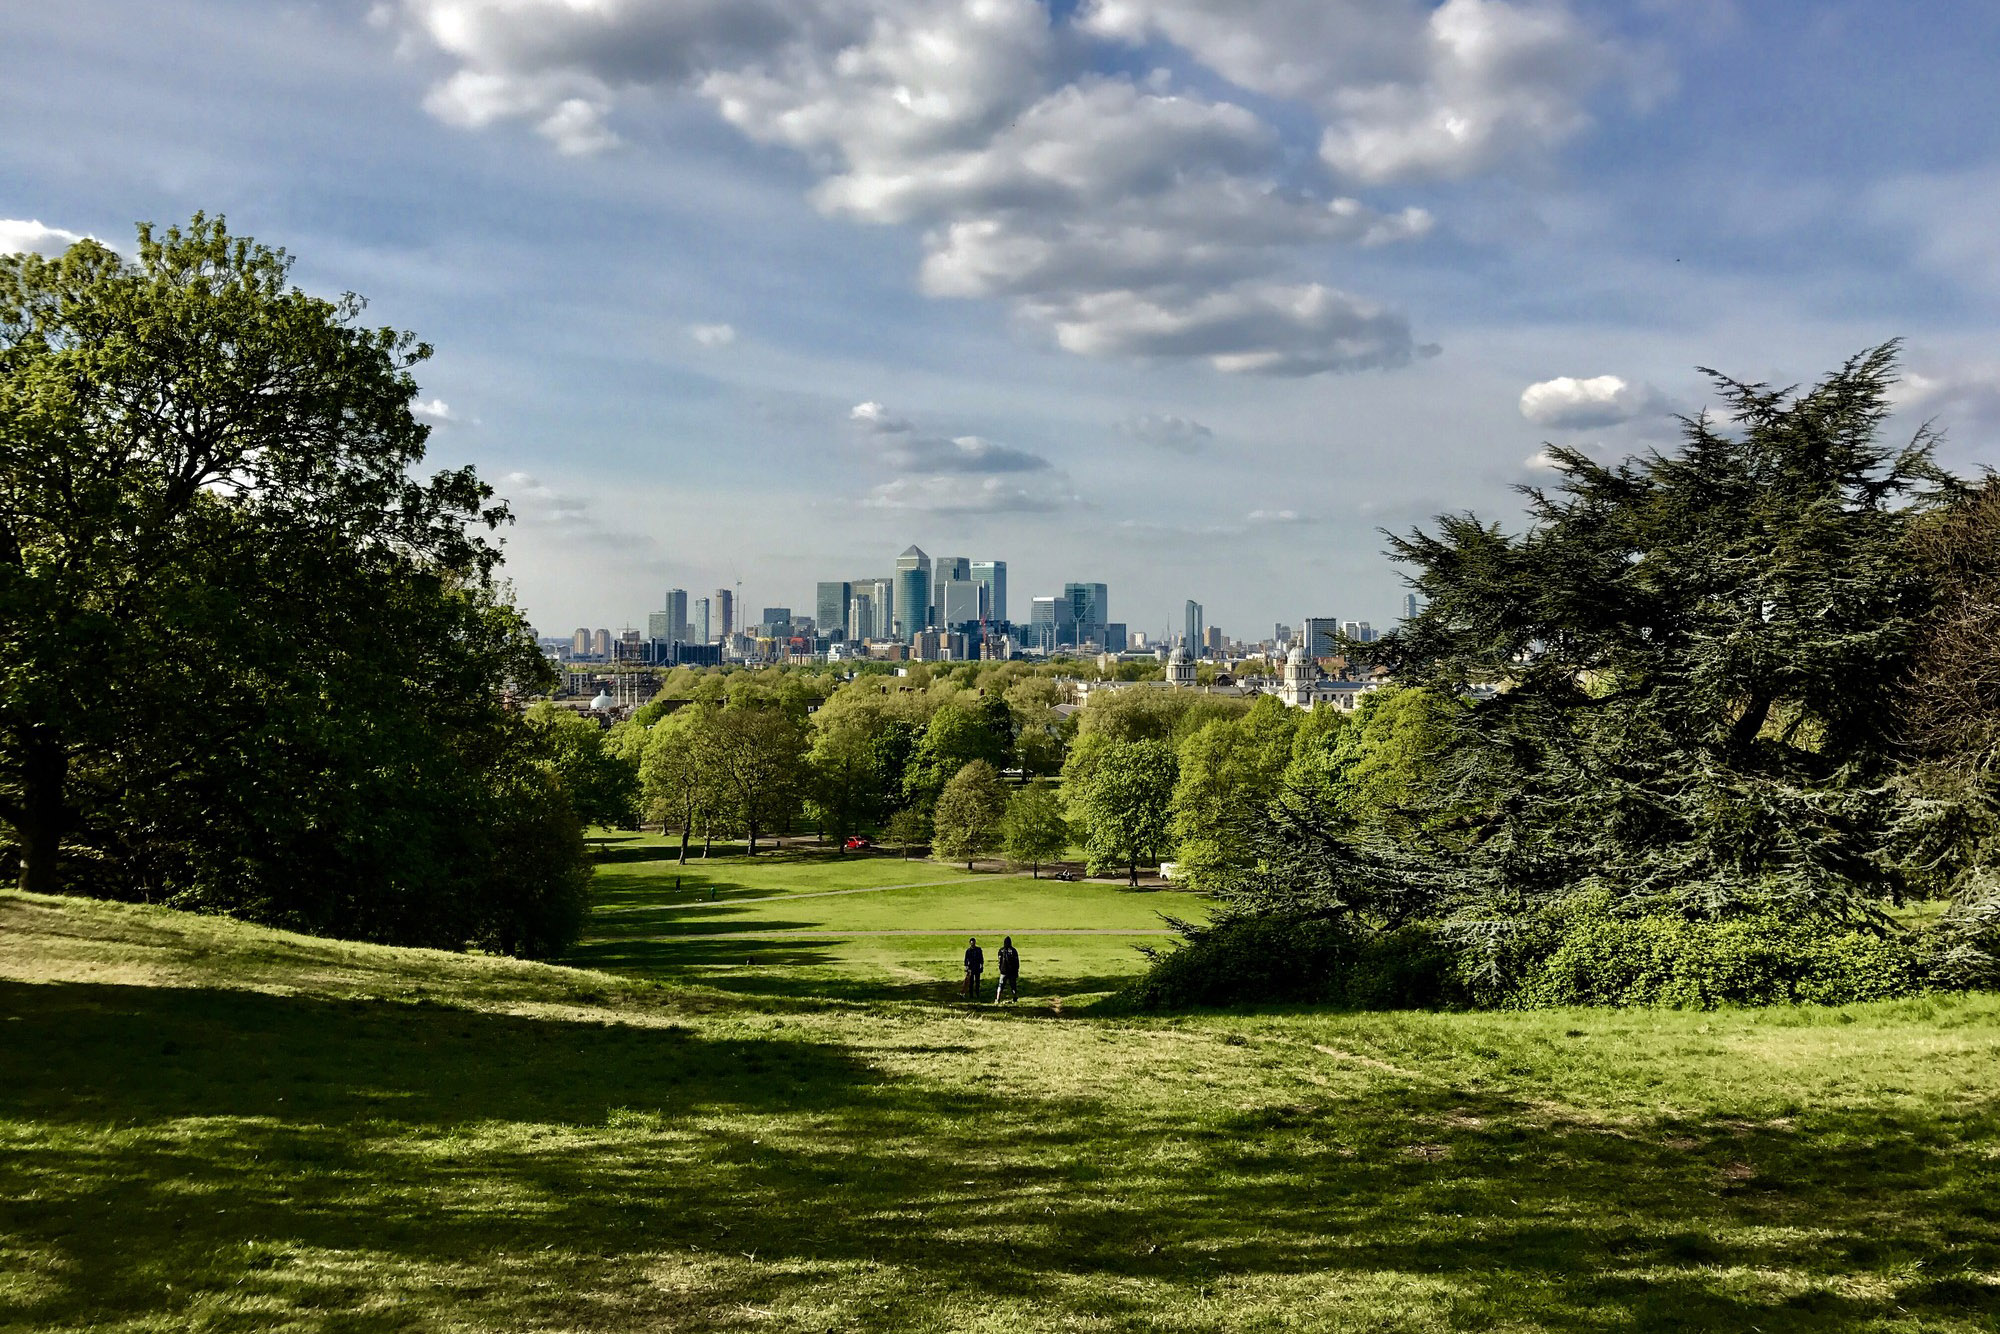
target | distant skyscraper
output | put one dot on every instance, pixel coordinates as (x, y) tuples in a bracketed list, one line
[(701, 622), (1316, 633), (600, 643), (882, 599), (677, 614), (960, 602), (660, 627), (1114, 637), (830, 609), (943, 570), (724, 613), (913, 592), (1359, 631), (1281, 633), (1089, 606), (1051, 624), (579, 643), (1191, 628), (993, 573), (861, 615), (1410, 606)]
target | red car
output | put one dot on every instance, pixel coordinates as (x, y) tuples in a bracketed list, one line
[(858, 844)]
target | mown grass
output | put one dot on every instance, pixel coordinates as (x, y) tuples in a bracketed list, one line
[(802, 923), (207, 1126)]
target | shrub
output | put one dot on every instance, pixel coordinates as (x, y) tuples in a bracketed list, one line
[(1655, 960), (1301, 960)]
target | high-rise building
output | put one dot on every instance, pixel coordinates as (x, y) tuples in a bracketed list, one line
[(579, 643), (1316, 634), (1051, 625), (677, 614), (993, 573), (660, 627), (600, 643), (1359, 631), (861, 615), (1089, 606), (943, 570), (1191, 626), (1281, 634), (830, 609), (1114, 638), (1212, 641), (961, 602), (701, 622), (882, 592), (724, 613), (913, 592), (1410, 607)]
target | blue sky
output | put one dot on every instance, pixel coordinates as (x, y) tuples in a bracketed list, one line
[(1184, 296)]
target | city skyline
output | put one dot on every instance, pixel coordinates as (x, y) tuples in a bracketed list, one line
[(766, 328)]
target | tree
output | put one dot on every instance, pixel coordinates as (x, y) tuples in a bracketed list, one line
[(1034, 830), (602, 783), (1690, 659), (959, 733), (908, 827), (756, 753), (677, 785), (1127, 806), (206, 489), (854, 775), (969, 810)]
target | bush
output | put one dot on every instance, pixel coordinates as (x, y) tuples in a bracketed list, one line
[(1764, 960), (1314, 961)]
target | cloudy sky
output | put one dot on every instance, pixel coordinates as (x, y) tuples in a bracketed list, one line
[(1190, 297)]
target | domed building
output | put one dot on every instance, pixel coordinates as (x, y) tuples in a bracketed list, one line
[(1297, 687), (1180, 667)]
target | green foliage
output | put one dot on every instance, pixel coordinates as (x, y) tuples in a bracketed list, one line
[(296, 711), (754, 751), (677, 784), (967, 820), (1125, 809), (1251, 960), (908, 828), (602, 783), (1034, 830), (1230, 770), (1601, 959), (961, 732)]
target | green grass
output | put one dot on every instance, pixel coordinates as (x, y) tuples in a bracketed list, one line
[(798, 924), (208, 1126)]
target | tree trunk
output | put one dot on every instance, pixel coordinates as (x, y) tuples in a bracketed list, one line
[(685, 831), (753, 839), (44, 812), (1132, 873)]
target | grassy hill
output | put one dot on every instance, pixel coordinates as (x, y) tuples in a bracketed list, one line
[(208, 1126)]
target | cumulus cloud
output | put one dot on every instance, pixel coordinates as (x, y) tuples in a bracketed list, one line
[(26, 236), (969, 495), (434, 410), (1570, 404), (1167, 430), (872, 416), (1960, 398), (713, 335), (1127, 217), (1407, 90)]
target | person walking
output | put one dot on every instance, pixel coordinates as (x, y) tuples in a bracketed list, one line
[(975, 966), (1010, 972)]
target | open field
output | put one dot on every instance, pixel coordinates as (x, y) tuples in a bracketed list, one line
[(806, 923), (208, 1126)]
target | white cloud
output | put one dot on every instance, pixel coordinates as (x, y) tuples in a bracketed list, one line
[(1276, 517), (1124, 218), (873, 416), (1567, 403), (434, 410), (1957, 400), (969, 495), (535, 502), (1407, 90), (24, 236), (713, 335), (1167, 430)]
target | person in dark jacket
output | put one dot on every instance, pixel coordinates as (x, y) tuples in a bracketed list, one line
[(975, 965), (1010, 972)]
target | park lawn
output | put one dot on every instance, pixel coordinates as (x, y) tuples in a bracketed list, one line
[(210, 1126)]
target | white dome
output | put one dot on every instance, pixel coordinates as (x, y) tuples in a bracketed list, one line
[(1180, 654), (1297, 655), (602, 702)]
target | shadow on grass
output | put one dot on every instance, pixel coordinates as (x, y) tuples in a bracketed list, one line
[(170, 1146)]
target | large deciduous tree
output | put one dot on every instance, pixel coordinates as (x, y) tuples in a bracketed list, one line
[(969, 810), (248, 661), (1126, 806)]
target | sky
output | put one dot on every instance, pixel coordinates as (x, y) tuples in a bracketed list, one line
[(1193, 298)]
